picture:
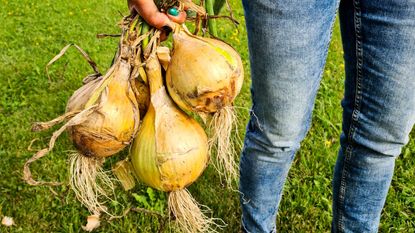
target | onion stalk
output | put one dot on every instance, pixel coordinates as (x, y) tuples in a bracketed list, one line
[(209, 4)]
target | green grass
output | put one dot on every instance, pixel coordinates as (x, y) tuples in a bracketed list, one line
[(32, 32)]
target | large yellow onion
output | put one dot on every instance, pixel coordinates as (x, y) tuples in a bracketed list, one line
[(109, 128), (170, 152), (204, 74), (102, 119), (112, 125)]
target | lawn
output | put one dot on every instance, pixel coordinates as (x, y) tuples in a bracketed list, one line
[(32, 32)]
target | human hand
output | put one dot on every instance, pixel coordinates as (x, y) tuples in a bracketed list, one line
[(148, 10)]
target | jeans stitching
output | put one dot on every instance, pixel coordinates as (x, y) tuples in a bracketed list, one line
[(244, 230), (355, 114)]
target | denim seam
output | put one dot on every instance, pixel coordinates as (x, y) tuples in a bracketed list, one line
[(243, 226), (355, 114)]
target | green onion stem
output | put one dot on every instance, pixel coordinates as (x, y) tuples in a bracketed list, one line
[(145, 28), (133, 25), (211, 22)]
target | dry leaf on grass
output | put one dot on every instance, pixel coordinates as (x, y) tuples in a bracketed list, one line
[(92, 223), (7, 221)]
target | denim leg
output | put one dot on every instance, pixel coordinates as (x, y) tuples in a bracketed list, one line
[(378, 107), (288, 43)]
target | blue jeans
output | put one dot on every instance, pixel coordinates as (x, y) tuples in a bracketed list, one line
[(288, 43)]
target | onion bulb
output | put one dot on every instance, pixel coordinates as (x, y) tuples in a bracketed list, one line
[(204, 76), (111, 126), (170, 152), (102, 119)]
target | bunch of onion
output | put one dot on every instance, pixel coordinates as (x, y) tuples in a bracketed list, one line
[(170, 152), (204, 76), (102, 118)]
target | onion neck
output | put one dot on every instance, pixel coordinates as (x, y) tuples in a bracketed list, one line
[(211, 22), (144, 29), (154, 76)]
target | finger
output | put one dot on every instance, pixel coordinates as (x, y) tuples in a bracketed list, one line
[(148, 10), (181, 18), (163, 36)]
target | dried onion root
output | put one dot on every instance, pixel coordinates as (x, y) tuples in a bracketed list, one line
[(221, 126), (90, 182), (190, 216)]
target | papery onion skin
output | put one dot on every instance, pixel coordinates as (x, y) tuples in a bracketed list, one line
[(204, 74), (142, 96)]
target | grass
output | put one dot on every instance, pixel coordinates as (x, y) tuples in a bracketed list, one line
[(32, 32)]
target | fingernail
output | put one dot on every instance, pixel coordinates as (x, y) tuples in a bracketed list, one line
[(167, 29), (173, 11)]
